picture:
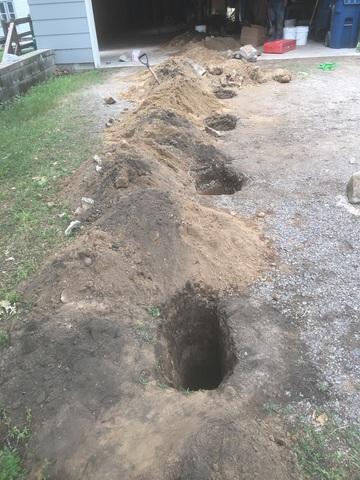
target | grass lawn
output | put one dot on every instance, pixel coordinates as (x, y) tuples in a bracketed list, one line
[(41, 140)]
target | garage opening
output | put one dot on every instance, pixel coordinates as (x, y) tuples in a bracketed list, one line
[(149, 25)]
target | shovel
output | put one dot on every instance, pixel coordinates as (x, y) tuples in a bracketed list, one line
[(144, 59)]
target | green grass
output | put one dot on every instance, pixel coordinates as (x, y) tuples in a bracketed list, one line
[(1, 53), (10, 465), (13, 439), (331, 452), (42, 138)]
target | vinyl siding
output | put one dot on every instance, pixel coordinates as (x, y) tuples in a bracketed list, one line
[(62, 25)]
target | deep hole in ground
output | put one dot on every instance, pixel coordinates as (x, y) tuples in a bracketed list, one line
[(216, 178), (221, 123), (225, 94), (195, 348)]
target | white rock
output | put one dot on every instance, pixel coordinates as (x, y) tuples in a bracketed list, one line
[(353, 188), (98, 168), (87, 203), (97, 159), (73, 226)]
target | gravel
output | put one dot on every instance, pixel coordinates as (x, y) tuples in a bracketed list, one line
[(299, 144)]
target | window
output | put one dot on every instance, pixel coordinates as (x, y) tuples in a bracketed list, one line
[(7, 11)]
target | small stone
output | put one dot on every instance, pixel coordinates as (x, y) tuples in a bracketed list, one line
[(78, 211), (198, 69), (353, 188), (109, 100), (64, 297), (109, 123), (260, 214), (87, 203), (75, 225), (88, 261), (215, 70), (281, 75), (97, 159), (122, 181), (50, 204), (98, 168)]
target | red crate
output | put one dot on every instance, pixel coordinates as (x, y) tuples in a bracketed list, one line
[(279, 46)]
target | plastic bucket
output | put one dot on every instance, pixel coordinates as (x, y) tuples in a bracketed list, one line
[(301, 35), (200, 28), (290, 23), (289, 33)]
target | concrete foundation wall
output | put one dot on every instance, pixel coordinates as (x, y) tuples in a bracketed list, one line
[(16, 78)]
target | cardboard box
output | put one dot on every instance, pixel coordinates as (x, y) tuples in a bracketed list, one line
[(254, 35)]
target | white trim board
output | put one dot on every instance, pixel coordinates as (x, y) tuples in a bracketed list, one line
[(93, 34)]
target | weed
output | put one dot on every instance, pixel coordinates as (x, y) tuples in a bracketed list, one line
[(271, 407), (4, 338), (10, 464), (14, 437), (161, 385), (143, 333), (154, 312), (331, 452)]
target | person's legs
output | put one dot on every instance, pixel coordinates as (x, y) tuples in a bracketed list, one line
[(272, 17), (280, 14)]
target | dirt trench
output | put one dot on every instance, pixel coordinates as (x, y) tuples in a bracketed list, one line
[(142, 357)]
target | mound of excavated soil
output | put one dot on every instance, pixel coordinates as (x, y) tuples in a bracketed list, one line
[(85, 357)]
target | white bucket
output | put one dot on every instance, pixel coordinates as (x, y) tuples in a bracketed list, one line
[(289, 33), (301, 35), (290, 22), (200, 28)]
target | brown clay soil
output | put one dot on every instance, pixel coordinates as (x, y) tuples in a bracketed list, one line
[(117, 391)]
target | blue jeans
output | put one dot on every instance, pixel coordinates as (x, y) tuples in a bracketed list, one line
[(277, 15)]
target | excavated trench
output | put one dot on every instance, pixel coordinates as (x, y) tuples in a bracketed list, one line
[(195, 348)]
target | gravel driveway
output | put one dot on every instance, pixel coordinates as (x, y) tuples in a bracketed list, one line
[(299, 144)]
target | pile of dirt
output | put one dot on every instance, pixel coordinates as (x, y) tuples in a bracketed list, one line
[(84, 357), (221, 44)]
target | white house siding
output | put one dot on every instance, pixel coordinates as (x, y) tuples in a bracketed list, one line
[(21, 8), (63, 26)]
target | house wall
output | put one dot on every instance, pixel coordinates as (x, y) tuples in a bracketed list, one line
[(63, 26), (21, 8)]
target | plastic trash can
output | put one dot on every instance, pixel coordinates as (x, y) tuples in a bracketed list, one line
[(345, 24)]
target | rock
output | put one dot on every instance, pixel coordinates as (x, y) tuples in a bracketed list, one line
[(109, 123), (87, 203), (122, 180), (78, 211), (353, 188), (98, 168), (260, 214), (109, 100), (281, 75), (213, 132), (97, 159), (197, 68), (87, 261), (64, 297), (215, 70), (124, 58), (248, 52), (74, 225)]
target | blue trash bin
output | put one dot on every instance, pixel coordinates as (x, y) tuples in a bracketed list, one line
[(345, 24)]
